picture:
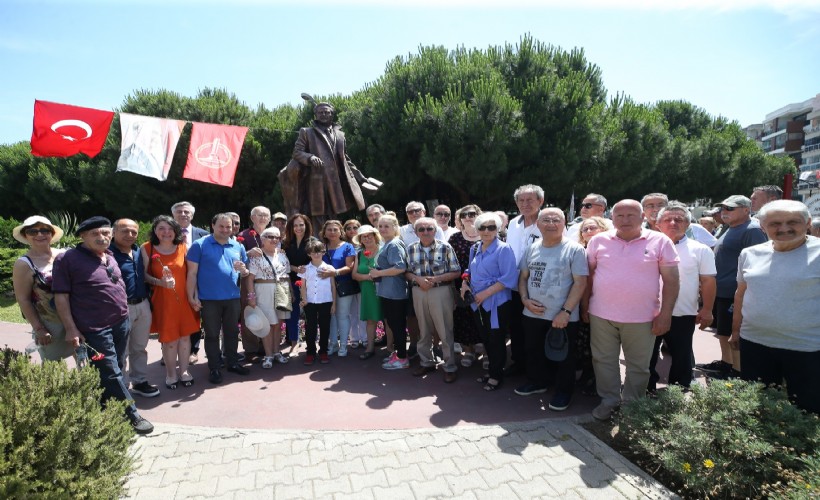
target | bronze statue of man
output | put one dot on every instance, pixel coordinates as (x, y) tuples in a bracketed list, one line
[(321, 181)]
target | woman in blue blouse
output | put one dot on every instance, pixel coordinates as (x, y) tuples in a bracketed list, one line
[(492, 273), (391, 286), (341, 255)]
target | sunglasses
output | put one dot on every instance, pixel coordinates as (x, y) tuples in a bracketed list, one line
[(426, 230), (351, 228), (729, 209), (415, 210), (35, 232), (113, 277), (488, 227), (588, 205), (442, 214), (468, 215)]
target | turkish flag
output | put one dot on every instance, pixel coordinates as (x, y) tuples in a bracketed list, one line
[(64, 130), (214, 153)]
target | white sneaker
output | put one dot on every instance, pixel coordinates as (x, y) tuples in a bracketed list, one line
[(396, 364), (342, 354), (280, 358)]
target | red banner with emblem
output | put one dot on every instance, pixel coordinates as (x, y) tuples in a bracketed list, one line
[(214, 153), (65, 130)]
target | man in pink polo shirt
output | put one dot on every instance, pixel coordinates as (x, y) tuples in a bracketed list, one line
[(634, 274)]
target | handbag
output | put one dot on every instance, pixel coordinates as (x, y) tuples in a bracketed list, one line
[(347, 287), (282, 300)]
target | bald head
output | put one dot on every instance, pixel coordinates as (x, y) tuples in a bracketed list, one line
[(627, 217)]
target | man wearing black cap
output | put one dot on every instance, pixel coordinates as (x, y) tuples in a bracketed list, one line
[(92, 303), (743, 231)]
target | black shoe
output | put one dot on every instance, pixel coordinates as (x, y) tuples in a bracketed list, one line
[(238, 369), (716, 366), (514, 369), (145, 389), (529, 389), (215, 377), (140, 425)]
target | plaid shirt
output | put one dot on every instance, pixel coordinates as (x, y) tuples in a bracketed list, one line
[(442, 259)]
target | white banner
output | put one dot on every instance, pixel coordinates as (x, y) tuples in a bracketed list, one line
[(148, 145)]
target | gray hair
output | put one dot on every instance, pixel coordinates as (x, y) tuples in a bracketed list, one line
[(181, 204), (272, 229), (414, 204), (529, 188), (487, 217), (655, 195), (376, 206), (260, 208), (599, 199), (773, 192), (790, 206), (676, 206), (425, 220)]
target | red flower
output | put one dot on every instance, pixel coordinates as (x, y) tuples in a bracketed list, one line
[(298, 283), (240, 239), (368, 253), (252, 233), (155, 256), (98, 357), (465, 277)]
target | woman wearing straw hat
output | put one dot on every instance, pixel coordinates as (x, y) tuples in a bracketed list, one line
[(31, 276), (368, 240)]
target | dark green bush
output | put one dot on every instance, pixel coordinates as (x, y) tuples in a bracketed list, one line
[(6, 227), (727, 440), (56, 441), (7, 258)]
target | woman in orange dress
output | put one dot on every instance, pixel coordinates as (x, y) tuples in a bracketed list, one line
[(173, 318)]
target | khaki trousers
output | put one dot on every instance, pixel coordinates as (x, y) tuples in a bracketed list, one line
[(608, 338), (434, 311)]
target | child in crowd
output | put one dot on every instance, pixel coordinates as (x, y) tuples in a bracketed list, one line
[(318, 301)]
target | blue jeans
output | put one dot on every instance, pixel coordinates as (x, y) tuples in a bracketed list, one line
[(340, 322), (112, 343)]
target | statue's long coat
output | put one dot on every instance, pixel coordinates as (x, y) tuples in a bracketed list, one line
[(327, 190)]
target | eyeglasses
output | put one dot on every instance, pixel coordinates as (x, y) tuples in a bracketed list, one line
[(425, 229), (468, 215), (442, 214), (589, 205), (317, 252), (113, 277), (590, 229), (415, 210), (34, 231), (488, 227), (272, 237)]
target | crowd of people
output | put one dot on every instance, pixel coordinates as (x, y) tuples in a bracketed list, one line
[(536, 296)]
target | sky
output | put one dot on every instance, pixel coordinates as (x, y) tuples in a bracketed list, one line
[(738, 59)]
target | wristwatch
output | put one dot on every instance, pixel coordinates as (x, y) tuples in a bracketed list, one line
[(564, 309)]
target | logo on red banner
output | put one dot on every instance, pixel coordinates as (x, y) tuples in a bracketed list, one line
[(214, 153)]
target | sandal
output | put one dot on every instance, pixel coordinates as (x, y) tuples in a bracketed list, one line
[(367, 355), (492, 387), (483, 379), (171, 385)]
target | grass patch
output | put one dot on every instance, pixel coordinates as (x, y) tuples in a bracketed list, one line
[(10, 311)]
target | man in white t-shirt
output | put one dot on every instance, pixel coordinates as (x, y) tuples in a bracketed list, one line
[(442, 216), (697, 272), (522, 232)]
